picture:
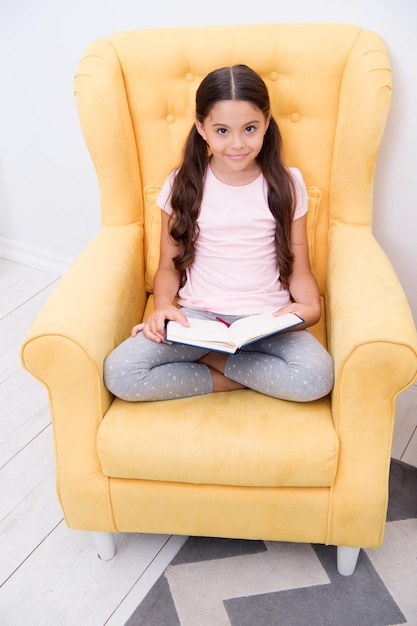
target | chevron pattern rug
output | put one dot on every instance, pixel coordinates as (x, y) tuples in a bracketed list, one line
[(230, 582)]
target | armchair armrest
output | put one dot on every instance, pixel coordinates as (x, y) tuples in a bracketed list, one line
[(92, 309), (373, 340), (96, 302), (367, 307)]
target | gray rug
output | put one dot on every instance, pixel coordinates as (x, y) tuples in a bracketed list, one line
[(231, 582)]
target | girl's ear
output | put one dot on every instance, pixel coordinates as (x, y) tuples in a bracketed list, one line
[(267, 120), (200, 129)]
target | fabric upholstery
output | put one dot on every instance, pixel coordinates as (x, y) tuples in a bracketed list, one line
[(220, 451), (235, 464)]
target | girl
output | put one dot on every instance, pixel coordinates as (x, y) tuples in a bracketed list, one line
[(233, 243)]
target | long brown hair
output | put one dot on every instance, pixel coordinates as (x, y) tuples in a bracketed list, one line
[(231, 83)]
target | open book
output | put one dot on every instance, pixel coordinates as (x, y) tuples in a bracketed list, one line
[(217, 335)]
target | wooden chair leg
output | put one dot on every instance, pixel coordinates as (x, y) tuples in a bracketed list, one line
[(346, 560), (105, 546)]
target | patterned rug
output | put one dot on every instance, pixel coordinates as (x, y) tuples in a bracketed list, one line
[(231, 582)]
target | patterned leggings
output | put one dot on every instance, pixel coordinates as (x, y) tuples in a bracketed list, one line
[(291, 366)]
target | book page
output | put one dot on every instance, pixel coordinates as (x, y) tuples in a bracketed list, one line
[(256, 326), (215, 335), (201, 331)]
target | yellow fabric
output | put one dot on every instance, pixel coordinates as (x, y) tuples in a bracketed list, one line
[(297, 448), (152, 235), (225, 511), (237, 464)]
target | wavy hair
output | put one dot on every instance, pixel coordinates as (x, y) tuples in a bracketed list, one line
[(238, 82)]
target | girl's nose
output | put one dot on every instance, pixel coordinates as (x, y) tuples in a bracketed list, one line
[(238, 142)]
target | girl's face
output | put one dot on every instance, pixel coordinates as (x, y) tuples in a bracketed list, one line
[(234, 131)]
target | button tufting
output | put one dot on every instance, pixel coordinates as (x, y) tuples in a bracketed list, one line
[(170, 118), (273, 75), (189, 77), (295, 117)]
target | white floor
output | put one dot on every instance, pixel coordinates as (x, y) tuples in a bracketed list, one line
[(50, 575)]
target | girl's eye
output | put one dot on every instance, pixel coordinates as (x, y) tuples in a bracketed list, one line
[(250, 129), (222, 131)]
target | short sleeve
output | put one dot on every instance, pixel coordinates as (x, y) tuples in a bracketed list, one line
[(163, 199), (301, 200)]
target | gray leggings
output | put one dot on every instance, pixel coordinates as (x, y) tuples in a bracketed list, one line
[(290, 366)]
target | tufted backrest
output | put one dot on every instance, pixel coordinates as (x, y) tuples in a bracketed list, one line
[(330, 91)]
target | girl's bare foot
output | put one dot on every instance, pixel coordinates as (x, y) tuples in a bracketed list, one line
[(216, 361)]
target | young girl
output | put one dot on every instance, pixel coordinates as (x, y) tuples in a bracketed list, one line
[(233, 243)]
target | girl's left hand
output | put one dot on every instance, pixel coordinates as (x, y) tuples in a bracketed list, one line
[(137, 329), (309, 313)]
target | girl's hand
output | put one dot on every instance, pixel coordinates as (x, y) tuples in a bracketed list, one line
[(154, 327), (309, 313), (137, 329)]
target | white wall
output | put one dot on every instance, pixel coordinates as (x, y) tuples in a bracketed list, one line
[(49, 207)]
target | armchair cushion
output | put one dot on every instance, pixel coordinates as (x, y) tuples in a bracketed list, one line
[(242, 439)]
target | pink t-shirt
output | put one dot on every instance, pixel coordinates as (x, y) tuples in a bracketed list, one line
[(235, 270)]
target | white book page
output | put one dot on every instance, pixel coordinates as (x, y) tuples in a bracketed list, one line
[(256, 326), (199, 330)]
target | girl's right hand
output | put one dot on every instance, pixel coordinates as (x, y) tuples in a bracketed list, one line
[(154, 327)]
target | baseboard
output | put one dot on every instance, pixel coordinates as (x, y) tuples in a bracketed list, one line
[(38, 258)]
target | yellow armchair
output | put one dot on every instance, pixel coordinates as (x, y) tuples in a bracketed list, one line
[(235, 464)]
